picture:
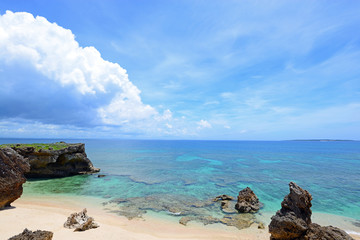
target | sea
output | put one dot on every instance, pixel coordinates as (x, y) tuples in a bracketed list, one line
[(168, 177)]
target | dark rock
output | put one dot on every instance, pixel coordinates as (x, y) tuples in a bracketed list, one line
[(223, 197), (247, 201), (36, 235), (69, 160), (261, 225), (101, 175), (317, 232), (293, 220), (80, 221), (12, 169)]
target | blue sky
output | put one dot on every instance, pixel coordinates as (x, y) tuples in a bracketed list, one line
[(243, 70)]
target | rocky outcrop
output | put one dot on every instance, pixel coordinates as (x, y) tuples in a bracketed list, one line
[(294, 216), (293, 220), (30, 235), (316, 232), (247, 201), (12, 169), (227, 203), (55, 160), (80, 221)]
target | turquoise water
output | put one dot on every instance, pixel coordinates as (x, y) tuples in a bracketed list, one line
[(201, 170)]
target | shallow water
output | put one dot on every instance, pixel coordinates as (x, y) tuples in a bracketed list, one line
[(187, 170)]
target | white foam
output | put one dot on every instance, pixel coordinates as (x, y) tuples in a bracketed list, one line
[(352, 232)]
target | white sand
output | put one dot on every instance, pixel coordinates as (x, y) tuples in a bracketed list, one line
[(50, 213)]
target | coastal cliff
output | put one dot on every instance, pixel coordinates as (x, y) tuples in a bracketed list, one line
[(12, 169), (55, 160)]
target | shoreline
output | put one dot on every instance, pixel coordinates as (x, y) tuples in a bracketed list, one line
[(50, 212)]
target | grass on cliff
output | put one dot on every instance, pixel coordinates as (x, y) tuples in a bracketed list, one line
[(38, 146)]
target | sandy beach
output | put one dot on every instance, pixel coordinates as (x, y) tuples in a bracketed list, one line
[(51, 213)]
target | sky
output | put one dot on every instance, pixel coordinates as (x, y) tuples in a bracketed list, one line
[(180, 69)]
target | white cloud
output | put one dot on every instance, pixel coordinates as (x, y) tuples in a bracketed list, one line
[(227, 95), (203, 124), (53, 52)]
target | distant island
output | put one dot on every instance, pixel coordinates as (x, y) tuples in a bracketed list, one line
[(323, 140)]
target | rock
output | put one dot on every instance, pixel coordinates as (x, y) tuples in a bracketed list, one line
[(101, 175), (227, 206), (184, 220), (80, 221), (261, 225), (56, 159), (12, 169), (240, 221), (223, 197), (203, 219), (293, 220), (36, 235), (316, 232), (247, 201), (294, 216)]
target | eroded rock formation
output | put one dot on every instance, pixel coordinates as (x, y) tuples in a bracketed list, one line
[(30, 235), (247, 201), (227, 203), (12, 169), (80, 221), (293, 220), (55, 160)]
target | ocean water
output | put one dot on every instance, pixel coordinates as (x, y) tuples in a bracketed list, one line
[(170, 173)]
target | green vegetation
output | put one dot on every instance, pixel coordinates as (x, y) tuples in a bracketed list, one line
[(38, 146)]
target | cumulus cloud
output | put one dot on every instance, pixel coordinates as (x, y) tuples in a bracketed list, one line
[(203, 124), (46, 58)]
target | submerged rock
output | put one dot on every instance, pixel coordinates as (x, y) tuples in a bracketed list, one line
[(227, 204), (80, 221), (30, 235), (223, 197), (240, 221), (247, 201), (55, 160), (293, 220), (203, 219), (12, 169)]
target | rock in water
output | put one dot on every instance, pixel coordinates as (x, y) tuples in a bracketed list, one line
[(12, 169), (56, 159), (36, 235), (80, 221), (293, 220), (294, 216), (227, 205), (247, 201)]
